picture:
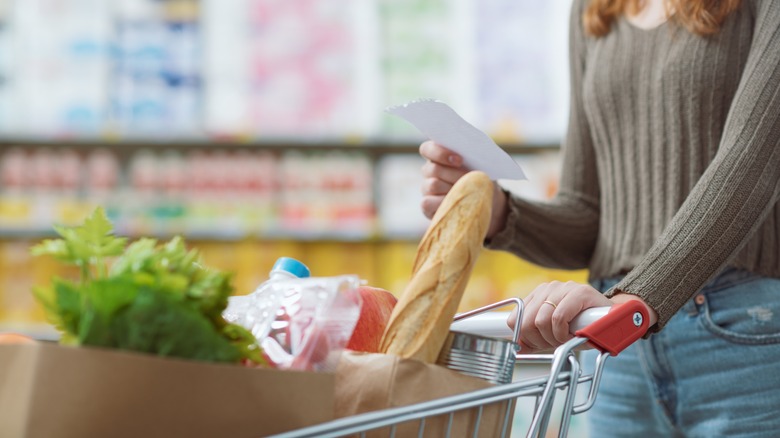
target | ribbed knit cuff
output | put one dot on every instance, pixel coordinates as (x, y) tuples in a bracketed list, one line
[(652, 329), (504, 238)]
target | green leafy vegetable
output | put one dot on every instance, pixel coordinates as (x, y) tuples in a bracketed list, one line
[(147, 297)]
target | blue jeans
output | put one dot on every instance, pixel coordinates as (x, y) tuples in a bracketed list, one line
[(714, 370)]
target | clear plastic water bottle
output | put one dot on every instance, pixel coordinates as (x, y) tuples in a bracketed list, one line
[(286, 268), (249, 310)]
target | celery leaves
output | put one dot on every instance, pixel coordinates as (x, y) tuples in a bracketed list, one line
[(146, 297)]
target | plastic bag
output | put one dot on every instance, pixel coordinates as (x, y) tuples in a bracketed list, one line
[(303, 323)]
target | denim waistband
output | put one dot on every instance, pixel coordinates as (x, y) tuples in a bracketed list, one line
[(727, 278)]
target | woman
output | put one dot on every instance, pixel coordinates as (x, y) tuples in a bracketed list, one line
[(669, 195)]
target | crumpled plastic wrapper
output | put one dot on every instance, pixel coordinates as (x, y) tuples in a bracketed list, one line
[(302, 323)]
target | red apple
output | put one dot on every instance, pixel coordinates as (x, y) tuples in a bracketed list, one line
[(375, 309)]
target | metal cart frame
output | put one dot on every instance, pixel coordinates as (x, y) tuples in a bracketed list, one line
[(610, 334)]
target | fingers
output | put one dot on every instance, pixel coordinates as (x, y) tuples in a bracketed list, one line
[(440, 155), (447, 174), (441, 164), (435, 186), (549, 310), (546, 318), (441, 170), (430, 204), (530, 333), (558, 322)]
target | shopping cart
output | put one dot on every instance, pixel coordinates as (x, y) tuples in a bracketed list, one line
[(609, 330)]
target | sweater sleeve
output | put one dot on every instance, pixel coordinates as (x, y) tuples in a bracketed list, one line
[(734, 195), (561, 233)]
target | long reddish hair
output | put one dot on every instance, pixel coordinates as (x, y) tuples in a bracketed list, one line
[(702, 17)]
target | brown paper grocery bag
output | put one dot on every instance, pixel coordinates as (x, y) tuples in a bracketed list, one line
[(49, 391), (370, 382)]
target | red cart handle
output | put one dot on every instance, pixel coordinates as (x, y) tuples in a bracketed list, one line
[(624, 324)]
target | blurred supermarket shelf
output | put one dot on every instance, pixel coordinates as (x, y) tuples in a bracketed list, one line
[(224, 120), (213, 193), (263, 69), (372, 147), (215, 236)]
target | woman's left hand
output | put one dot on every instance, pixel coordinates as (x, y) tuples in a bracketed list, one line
[(551, 307)]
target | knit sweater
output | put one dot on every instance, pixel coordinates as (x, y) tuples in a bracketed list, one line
[(671, 162)]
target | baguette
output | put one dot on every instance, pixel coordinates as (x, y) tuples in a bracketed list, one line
[(421, 319)]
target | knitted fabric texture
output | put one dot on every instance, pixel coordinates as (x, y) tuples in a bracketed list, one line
[(671, 163)]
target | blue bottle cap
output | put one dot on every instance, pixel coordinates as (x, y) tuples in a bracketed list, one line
[(292, 266)]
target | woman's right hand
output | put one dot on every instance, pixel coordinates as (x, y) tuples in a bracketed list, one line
[(440, 172)]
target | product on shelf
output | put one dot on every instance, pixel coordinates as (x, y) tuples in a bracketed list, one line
[(269, 69), (520, 85), (6, 68), (15, 198), (399, 197), (326, 194), (543, 174), (156, 69), (416, 61), (61, 67), (295, 72)]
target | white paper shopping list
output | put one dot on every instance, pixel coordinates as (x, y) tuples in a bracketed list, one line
[(440, 123)]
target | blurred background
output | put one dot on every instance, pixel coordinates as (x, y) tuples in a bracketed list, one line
[(256, 128)]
